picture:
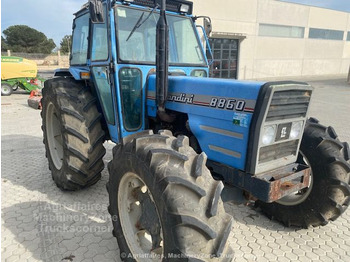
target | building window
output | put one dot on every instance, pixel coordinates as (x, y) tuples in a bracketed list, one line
[(348, 38), (317, 33), (281, 31), (225, 56)]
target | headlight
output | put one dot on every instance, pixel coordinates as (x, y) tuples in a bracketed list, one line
[(297, 128), (269, 134)]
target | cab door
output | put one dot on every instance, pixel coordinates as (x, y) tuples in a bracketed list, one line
[(103, 75)]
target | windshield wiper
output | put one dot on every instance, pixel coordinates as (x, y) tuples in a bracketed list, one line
[(139, 23)]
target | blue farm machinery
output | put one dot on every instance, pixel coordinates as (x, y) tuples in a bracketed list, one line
[(138, 76)]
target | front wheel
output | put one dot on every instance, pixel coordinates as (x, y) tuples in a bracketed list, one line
[(164, 203), (328, 194)]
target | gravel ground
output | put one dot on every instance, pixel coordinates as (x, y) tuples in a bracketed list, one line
[(42, 223)]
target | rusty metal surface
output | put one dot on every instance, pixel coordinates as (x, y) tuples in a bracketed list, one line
[(289, 184), (278, 183), (270, 186)]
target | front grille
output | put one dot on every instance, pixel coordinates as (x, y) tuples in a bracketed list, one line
[(277, 151), (288, 104)]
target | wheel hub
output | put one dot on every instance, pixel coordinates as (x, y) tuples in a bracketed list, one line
[(5, 89), (139, 219), (148, 220), (54, 136)]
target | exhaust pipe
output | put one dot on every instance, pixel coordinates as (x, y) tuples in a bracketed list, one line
[(162, 54)]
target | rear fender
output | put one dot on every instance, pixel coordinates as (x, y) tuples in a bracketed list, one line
[(74, 72), (64, 72)]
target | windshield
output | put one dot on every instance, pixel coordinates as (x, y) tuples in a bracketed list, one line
[(140, 47)]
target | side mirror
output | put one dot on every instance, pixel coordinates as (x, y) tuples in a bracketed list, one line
[(96, 11), (207, 26)]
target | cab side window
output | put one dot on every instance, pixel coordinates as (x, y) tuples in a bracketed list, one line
[(99, 50), (80, 40)]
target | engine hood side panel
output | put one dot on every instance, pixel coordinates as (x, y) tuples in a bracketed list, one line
[(219, 112)]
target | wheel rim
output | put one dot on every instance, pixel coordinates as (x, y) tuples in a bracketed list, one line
[(5, 89), (54, 136), (298, 197), (139, 219)]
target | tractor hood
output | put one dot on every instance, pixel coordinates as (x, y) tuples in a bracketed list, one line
[(219, 113), (211, 97), (228, 117)]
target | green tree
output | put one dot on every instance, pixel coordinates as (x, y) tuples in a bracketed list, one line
[(4, 46), (66, 43), (22, 38)]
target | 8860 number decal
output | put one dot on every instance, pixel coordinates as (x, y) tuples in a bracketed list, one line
[(229, 104)]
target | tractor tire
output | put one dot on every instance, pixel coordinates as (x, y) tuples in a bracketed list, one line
[(328, 194), (73, 135), (160, 187), (6, 89)]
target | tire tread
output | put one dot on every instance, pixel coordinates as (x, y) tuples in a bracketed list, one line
[(187, 191), (329, 162), (71, 98)]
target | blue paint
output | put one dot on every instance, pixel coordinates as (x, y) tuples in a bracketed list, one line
[(115, 130), (206, 139), (213, 117), (151, 106), (76, 70)]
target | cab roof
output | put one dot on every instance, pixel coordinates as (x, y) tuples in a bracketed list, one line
[(171, 5)]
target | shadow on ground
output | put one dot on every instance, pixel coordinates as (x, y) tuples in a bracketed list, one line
[(53, 224), (48, 222), (61, 232)]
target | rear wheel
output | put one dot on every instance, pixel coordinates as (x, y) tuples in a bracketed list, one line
[(164, 202), (73, 135), (6, 89), (328, 194)]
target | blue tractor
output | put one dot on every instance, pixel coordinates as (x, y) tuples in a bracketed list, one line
[(138, 76)]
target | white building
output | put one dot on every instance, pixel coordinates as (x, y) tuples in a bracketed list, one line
[(254, 39)]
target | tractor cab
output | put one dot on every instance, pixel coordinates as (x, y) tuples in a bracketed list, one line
[(147, 67), (122, 55)]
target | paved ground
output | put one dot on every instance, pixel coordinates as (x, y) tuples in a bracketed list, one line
[(42, 223)]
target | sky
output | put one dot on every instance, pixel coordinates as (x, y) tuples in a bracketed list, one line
[(341, 5), (54, 17)]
